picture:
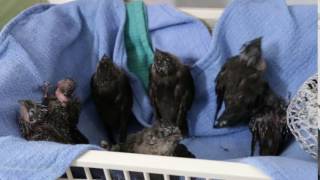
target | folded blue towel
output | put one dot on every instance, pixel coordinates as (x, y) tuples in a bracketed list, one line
[(282, 168), (49, 42), (22, 160)]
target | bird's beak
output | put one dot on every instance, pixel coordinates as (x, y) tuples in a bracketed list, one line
[(220, 123), (225, 120), (105, 60), (253, 43), (105, 57), (158, 51), (256, 42)]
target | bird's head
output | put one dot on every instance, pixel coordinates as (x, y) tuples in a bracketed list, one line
[(31, 112), (106, 70), (168, 135), (67, 87), (242, 102), (251, 53), (165, 63), (65, 90)]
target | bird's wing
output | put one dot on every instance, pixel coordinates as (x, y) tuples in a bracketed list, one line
[(220, 88), (73, 108), (151, 87), (93, 87), (184, 95), (152, 94), (124, 95), (190, 87), (47, 132)]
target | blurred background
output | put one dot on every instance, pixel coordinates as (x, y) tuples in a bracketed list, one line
[(204, 9)]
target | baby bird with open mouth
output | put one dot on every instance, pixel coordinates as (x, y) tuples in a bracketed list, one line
[(55, 119)]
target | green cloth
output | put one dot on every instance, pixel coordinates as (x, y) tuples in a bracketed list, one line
[(139, 51), (10, 8)]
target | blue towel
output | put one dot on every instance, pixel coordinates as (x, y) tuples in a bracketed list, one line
[(49, 42), (282, 168), (293, 164), (21, 160)]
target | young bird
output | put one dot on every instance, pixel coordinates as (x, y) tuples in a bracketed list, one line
[(37, 125), (112, 94), (171, 90), (33, 119), (55, 119), (240, 85), (156, 140), (249, 99)]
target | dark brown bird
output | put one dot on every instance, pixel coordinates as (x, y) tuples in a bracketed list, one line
[(240, 86), (249, 99), (156, 140), (55, 119), (112, 94), (171, 90), (37, 124)]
